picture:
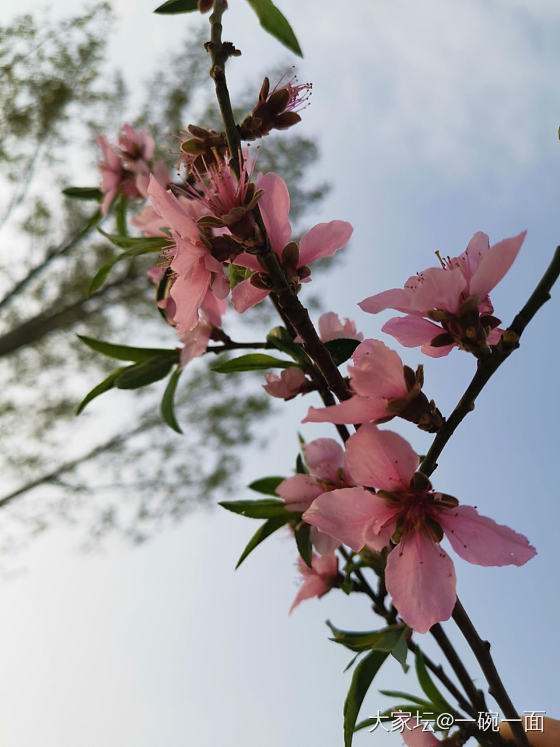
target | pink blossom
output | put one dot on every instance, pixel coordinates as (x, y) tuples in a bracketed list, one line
[(318, 579), (196, 270), (323, 240), (331, 328), (383, 388), (453, 297), (324, 458), (415, 735), (111, 172), (291, 382), (419, 574)]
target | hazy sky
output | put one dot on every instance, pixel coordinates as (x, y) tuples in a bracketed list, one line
[(436, 119)]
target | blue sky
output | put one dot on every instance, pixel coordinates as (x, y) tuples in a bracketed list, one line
[(435, 120)]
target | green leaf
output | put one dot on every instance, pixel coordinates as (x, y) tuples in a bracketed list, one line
[(363, 676), (142, 374), (145, 247), (427, 685), (400, 651), (351, 662), (266, 485), (412, 698), (103, 386), (120, 216), (251, 362), (264, 531), (273, 21), (266, 508), (341, 350), (380, 640), (83, 193), (303, 542), (282, 340), (167, 407), (177, 6), (133, 242), (237, 274), (301, 469), (127, 353)]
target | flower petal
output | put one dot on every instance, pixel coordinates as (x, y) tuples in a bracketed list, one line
[(274, 205), (495, 264), (346, 514), (479, 539), (323, 543), (174, 214), (414, 735), (245, 295), (438, 352), (299, 491), (377, 371), (399, 299), (411, 331), (313, 586), (324, 457), (380, 459), (421, 580), (353, 410), (323, 240), (438, 289)]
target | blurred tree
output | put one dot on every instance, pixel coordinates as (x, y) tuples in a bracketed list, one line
[(56, 94)]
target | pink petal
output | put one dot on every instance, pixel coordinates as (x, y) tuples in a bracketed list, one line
[(411, 331), (470, 259), (172, 211), (495, 336), (107, 200), (194, 342), (479, 539), (245, 295), (188, 292), (495, 264), (399, 299), (287, 385), (414, 735), (299, 492), (380, 459), (353, 410), (248, 260), (274, 205), (331, 328), (438, 352), (112, 160), (377, 371), (323, 543), (313, 586), (439, 289), (421, 580), (214, 308), (324, 458), (326, 566), (347, 514), (323, 240)]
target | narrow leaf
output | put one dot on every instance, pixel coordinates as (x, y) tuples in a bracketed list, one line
[(142, 374), (266, 485), (127, 353), (267, 508), (400, 694), (428, 686), (341, 350), (251, 362), (363, 676), (400, 651), (273, 21), (83, 193), (102, 387), (351, 662), (120, 216), (264, 531), (133, 242), (146, 247), (282, 340), (167, 407), (303, 542), (301, 469), (381, 640), (177, 6)]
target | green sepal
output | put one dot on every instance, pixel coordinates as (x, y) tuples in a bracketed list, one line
[(250, 362), (127, 353), (167, 407), (302, 534), (266, 508), (362, 678), (341, 350), (237, 274), (273, 21), (102, 387), (83, 193), (177, 6), (264, 531), (266, 485), (144, 373)]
